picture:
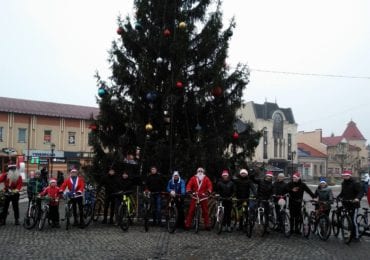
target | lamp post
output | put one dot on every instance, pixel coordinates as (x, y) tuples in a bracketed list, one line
[(52, 147)]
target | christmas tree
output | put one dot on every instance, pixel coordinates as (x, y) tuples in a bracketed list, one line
[(172, 97)]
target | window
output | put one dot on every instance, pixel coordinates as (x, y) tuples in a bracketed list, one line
[(22, 135), (1, 133), (290, 147), (278, 127), (47, 136), (71, 137), (265, 144), (90, 139)]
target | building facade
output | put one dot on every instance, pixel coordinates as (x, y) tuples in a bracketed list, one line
[(278, 145), (45, 134)]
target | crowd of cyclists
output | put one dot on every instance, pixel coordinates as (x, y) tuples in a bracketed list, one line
[(242, 187)]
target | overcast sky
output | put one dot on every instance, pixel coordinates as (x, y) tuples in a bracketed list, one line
[(50, 50)]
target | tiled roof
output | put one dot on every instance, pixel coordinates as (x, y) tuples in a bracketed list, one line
[(30, 107), (332, 140), (352, 132), (312, 152), (265, 111)]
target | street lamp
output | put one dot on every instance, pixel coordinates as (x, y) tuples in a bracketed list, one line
[(52, 147)]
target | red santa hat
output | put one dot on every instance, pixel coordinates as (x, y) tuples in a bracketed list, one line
[(225, 173), (347, 173), (73, 169), (297, 175), (243, 171), (269, 174), (52, 180)]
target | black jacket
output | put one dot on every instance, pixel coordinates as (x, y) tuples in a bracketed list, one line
[(243, 187), (279, 188), (110, 183), (350, 190), (296, 190), (126, 184), (155, 183), (264, 189), (226, 189)]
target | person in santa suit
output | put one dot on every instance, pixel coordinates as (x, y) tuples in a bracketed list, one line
[(53, 193), (13, 184), (76, 186), (201, 185)]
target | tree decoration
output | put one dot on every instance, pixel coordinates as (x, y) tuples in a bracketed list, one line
[(138, 26), (167, 33), (235, 136), (93, 127), (148, 127), (102, 92), (179, 84), (151, 96), (217, 91), (120, 30), (159, 60), (182, 25)]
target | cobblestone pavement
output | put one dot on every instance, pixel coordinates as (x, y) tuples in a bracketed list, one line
[(100, 241)]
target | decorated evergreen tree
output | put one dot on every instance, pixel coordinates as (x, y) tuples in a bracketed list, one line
[(172, 98)]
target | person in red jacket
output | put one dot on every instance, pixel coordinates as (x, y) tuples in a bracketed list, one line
[(13, 184), (53, 193), (201, 185), (76, 186)]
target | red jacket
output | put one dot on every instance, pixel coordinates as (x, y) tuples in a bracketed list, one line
[(79, 186), (11, 186), (53, 193), (201, 187)]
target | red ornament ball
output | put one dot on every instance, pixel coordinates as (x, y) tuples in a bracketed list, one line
[(167, 33), (93, 127), (235, 136), (217, 91), (120, 31), (179, 84)]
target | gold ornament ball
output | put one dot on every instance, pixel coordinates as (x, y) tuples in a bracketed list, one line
[(182, 25), (148, 127)]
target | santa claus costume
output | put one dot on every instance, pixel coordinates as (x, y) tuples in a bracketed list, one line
[(12, 185), (201, 185), (52, 191)]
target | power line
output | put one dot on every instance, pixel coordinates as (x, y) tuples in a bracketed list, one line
[(310, 74)]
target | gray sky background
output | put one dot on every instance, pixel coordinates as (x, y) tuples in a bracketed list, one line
[(50, 50)]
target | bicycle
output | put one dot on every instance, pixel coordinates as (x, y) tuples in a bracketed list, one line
[(219, 216), (32, 214), (89, 204), (281, 222), (342, 221), (172, 214), (44, 213), (125, 210), (363, 222), (68, 210), (146, 209), (319, 220), (198, 199), (305, 224), (246, 220), (259, 218)]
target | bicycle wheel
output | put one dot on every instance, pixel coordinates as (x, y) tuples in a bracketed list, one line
[(30, 219), (172, 217), (88, 214), (313, 224), (259, 224), (124, 218), (234, 218), (98, 207), (286, 224), (335, 224), (362, 224), (197, 219), (219, 221), (305, 225), (42, 221), (323, 227), (247, 225), (347, 229)]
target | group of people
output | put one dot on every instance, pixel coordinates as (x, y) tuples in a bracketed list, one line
[(37, 187), (243, 187)]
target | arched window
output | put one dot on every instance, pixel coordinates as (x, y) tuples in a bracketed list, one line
[(278, 129)]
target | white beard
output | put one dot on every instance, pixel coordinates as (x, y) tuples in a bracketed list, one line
[(13, 176), (200, 176)]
